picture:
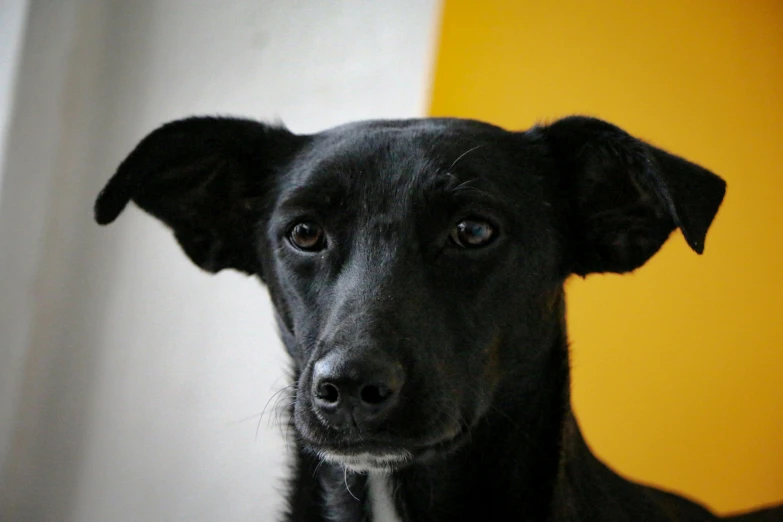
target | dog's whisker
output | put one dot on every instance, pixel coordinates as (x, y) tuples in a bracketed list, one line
[(465, 154), (318, 466), (466, 186), (284, 425), (279, 408), (260, 417), (345, 479), (245, 419)]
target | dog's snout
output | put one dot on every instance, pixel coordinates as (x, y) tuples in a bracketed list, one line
[(356, 389)]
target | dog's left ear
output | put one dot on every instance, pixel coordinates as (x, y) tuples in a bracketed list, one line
[(625, 197)]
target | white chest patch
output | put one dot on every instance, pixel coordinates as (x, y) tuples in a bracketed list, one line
[(379, 488)]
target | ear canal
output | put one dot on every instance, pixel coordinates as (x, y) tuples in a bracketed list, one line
[(207, 179), (626, 196)]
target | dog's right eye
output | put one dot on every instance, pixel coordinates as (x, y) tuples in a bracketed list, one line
[(307, 236)]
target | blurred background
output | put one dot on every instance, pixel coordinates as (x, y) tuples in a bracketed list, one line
[(132, 385)]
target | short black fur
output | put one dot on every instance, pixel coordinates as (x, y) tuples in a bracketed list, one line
[(444, 366)]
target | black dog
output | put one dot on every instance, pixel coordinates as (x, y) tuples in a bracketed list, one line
[(417, 271)]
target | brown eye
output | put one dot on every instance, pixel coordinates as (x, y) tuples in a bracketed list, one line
[(472, 233), (307, 236)]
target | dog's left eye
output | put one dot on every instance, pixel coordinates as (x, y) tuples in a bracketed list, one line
[(472, 233)]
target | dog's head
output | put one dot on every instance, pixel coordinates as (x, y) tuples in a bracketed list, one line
[(416, 266)]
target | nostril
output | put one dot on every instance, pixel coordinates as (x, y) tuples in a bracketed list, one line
[(375, 393), (328, 392)]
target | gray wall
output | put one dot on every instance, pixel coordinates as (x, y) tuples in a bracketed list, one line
[(132, 383), (12, 21)]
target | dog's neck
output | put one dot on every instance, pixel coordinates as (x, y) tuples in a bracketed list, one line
[(507, 471)]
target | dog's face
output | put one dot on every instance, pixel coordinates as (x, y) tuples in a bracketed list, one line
[(416, 266), (395, 251)]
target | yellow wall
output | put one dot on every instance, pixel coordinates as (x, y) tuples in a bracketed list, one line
[(678, 368)]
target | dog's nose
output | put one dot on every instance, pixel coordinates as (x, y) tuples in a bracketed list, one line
[(356, 389)]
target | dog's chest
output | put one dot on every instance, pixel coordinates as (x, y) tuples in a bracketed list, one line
[(379, 489)]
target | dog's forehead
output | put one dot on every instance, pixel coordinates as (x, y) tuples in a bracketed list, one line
[(386, 159)]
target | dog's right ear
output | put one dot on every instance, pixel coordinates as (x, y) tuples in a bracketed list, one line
[(208, 179)]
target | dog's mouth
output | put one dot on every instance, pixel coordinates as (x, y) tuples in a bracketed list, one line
[(368, 455), (367, 461)]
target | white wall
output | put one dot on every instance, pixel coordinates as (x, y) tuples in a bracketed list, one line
[(133, 382)]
